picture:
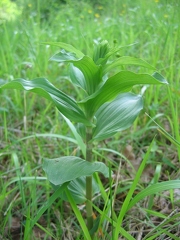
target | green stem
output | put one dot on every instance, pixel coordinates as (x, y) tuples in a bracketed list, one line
[(89, 210)]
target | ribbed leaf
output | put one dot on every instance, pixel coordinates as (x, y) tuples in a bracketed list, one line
[(77, 187), (65, 169), (117, 115), (77, 77), (119, 83), (126, 60), (66, 47), (44, 88), (91, 74), (64, 56)]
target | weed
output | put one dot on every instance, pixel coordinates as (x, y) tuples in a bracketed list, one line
[(107, 107)]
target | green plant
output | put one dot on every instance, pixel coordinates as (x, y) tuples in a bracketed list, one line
[(106, 106)]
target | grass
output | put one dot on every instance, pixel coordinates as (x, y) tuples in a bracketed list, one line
[(31, 128)]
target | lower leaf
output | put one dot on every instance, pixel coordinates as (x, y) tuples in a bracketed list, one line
[(77, 188), (65, 169)]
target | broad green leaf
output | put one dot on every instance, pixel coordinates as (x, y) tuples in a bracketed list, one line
[(77, 188), (64, 56), (66, 47), (44, 88), (126, 60), (117, 115), (65, 169), (119, 83), (77, 77), (91, 74)]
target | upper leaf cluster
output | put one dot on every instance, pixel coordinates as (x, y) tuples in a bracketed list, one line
[(102, 89)]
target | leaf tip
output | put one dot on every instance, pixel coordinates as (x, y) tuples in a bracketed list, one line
[(160, 78)]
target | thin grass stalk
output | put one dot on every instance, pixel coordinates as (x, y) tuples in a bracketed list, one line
[(174, 111), (89, 210), (5, 127)]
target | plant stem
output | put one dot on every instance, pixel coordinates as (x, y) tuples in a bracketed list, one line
[(89, 210), (89, 202)]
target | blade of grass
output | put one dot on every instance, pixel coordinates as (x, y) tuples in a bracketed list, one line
[(166, 134), (174, 103), (46, 231), (123, 232), (16, 179), (78, 215), (27, 224), (154, 181), (48, 204), (153, 189), (160, 228), (18, 172), (125, 206), (50, 135)]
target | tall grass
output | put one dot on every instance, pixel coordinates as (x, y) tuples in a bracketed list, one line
[(154, 28)]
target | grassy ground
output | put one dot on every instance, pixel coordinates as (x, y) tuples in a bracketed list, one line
[(154, 27)]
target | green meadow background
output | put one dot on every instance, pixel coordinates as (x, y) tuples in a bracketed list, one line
[(31, 128)]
